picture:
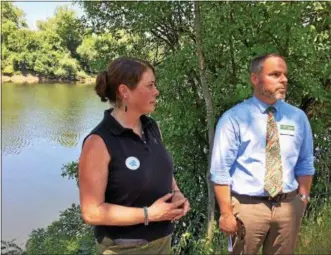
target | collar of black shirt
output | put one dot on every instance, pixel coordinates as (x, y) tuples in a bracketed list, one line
[(117, 129)]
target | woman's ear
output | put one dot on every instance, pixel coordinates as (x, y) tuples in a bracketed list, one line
[(123, 91)]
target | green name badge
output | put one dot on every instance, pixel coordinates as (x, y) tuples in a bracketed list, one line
[(287, 127)]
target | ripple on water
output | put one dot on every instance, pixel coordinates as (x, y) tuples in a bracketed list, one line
[(15, 142), (68, 139)]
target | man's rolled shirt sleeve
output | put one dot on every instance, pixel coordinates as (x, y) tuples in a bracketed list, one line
[(226, 143), (305, 163)]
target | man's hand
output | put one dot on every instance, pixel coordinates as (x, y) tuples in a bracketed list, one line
[(304, 198), (186, 206), (228, 224)]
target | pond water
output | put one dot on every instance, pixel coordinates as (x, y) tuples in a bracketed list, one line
[(43, 126)]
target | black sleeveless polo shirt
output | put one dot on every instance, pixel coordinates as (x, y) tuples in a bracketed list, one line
[(140, 172)]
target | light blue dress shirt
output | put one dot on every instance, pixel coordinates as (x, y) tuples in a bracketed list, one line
[(238, 157)]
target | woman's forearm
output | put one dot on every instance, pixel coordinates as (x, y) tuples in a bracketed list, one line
[(113, 215)]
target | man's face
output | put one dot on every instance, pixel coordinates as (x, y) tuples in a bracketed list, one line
[(270, 85)]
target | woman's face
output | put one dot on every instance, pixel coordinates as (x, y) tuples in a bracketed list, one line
[(143, 98)]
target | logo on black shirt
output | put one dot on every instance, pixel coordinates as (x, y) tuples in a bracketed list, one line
[(132, 163)]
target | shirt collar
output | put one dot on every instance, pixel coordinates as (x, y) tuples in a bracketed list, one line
[(116, 128), (263, 106)]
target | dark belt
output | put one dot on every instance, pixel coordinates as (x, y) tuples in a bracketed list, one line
[(278, 198)]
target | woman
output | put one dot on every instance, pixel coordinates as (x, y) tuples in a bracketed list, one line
[(127, 188)]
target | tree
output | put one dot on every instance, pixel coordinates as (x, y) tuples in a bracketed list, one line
[(68, 235), (210, 117), (49, 52), (67, 26), (96, 51), (12, 20)]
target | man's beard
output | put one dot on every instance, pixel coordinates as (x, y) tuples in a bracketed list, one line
[(272, 95)]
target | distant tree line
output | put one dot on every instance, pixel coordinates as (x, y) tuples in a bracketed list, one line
[(62, 47)]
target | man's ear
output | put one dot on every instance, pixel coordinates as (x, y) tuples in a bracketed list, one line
[(254, 79)]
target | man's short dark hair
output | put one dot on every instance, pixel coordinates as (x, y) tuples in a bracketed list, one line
[(257, 63)]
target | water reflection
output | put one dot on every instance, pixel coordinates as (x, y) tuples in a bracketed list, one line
[(56, 113), (42, 129)]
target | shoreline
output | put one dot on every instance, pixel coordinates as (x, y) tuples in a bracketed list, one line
[(30, 79)]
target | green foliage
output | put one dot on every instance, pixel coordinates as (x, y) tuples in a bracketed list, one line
[(49, 52), (96, 51), (8, 70), (7, 61), (70, 171), (163, 32), (67, 235), (68, 67), (66, 26), (12, 19), (315, 229)]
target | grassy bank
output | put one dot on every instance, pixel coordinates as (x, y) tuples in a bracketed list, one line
[(20, 79), (35, 79), (316, 229)]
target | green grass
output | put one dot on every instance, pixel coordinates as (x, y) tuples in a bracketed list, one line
[(315, 233)]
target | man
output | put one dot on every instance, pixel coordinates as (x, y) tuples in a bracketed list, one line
[(262, 164)]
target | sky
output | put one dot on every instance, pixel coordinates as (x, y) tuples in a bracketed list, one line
[(41, 10)]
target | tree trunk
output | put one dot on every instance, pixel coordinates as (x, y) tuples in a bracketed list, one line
[(210, 118)]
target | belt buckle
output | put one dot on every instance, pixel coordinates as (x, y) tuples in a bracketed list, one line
[(275, 199), (271, 199)]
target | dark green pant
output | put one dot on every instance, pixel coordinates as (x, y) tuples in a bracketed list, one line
[(158, 246)]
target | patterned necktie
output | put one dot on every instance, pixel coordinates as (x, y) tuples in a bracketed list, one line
[(273, 179)]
